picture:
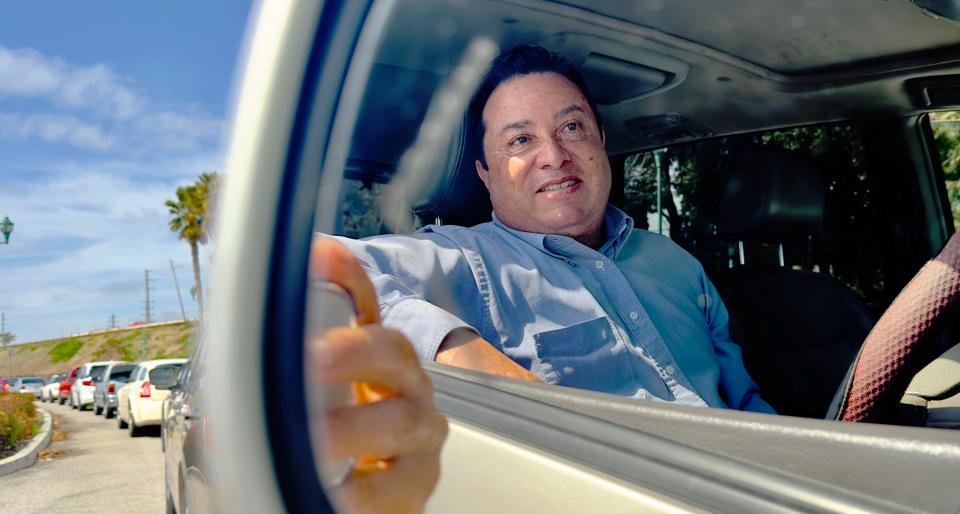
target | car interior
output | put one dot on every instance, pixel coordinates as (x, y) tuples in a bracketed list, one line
[(806, 251), (789, 146)]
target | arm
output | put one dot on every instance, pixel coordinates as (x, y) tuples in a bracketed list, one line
[(736, 387), (414, 281), (463, 348)]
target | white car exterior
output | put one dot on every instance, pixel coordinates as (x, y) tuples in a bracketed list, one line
[(51, 390), (139, 403), (81, 394)]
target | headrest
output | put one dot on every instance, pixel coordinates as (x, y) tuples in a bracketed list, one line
[(459, 198), (770, 195)]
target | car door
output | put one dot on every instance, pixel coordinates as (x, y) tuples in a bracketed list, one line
[(512, 447)]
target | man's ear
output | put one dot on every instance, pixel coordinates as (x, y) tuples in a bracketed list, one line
[(482, 173)]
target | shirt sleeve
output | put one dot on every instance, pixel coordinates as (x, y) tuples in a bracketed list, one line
[(736, 387), (414, 277)]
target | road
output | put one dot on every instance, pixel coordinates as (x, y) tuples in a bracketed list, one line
[(102, 470)]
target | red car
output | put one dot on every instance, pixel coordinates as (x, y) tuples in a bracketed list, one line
[(66, 384)]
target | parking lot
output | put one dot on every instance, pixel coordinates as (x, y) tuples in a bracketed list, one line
[(101, 469)]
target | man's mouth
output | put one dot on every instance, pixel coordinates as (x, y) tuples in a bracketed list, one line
[(559, 185)]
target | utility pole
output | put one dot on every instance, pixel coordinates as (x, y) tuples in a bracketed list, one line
[(183, 311), (146, 291), (146, 307), (113, 320)]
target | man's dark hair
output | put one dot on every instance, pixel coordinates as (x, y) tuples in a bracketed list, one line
[(520, 60)]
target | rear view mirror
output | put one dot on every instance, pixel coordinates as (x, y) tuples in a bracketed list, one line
[(164, 377)]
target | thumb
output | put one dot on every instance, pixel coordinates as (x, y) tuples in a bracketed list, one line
[(331, 261)]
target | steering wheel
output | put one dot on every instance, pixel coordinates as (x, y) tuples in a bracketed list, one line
[(901, 341)]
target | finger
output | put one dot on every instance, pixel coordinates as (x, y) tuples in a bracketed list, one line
[(369, 354), (330, 260), (402, 489), (388, 429)]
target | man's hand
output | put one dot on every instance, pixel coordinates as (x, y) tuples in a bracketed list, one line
[(465, 349), (394, 431)]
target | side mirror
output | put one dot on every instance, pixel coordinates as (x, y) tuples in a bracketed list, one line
[(164, 377)]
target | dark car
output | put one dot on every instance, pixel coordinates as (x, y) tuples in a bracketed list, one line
[(113, 377), (804, 152), (185, 437)]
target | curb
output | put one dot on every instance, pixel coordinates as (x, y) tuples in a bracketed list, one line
[(27, 456)]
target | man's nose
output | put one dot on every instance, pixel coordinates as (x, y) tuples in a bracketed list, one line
[(552, 154)]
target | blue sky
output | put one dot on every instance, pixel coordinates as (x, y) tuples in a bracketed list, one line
[(105, 108)]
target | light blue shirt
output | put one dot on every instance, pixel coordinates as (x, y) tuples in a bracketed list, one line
[(637, 317)]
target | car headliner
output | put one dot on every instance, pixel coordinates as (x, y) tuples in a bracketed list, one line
[(752, 65)]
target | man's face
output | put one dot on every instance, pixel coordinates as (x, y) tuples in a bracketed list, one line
[(548, 172)]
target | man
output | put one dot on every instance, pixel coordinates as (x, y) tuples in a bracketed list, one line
[(558, 287)]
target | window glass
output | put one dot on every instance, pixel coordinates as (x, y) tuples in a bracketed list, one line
[(684, 180), (33, 381), (946, 132), (165, 373), (121, 373)]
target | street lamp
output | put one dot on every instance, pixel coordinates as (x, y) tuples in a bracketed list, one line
[(6, 227)]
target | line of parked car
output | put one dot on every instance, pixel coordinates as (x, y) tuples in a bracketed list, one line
[(118, 389), (160, 392)]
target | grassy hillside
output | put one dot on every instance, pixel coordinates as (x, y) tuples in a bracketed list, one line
[(57, 355)]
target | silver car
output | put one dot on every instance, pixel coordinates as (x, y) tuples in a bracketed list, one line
[(333, 97), (113, 378), (32, 385)]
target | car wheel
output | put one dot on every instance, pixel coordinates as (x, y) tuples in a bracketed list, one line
[(135, 431), (97, 410), (107, 412), (121, 424), (61, 401)]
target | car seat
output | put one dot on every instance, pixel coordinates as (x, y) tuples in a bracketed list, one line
[(799, 330)]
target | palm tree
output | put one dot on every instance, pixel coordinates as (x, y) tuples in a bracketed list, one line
[(190, 221)]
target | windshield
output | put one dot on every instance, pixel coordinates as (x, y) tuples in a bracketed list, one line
[(121, 373)]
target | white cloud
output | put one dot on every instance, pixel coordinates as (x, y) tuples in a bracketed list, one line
[(94, 108), (84, 228), (54, 128), (28, 73)]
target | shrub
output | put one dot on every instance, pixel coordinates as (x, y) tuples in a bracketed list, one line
[(18, 420), (65, 350)]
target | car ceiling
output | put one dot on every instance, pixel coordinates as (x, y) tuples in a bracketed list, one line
[(750, 65)]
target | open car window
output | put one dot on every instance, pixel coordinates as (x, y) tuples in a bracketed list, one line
[(373, 128)]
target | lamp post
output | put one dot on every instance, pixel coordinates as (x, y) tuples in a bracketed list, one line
[(6, 228)]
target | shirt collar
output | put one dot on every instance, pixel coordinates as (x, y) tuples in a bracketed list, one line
[(617, 226)]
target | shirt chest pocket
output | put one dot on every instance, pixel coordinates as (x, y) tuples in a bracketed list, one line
[(588, 355)]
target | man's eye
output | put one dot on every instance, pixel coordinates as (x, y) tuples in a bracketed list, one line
[(519, 141), (573, 126)]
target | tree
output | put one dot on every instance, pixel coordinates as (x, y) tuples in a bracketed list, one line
[(190, 221), (7, 338), (946, 131)]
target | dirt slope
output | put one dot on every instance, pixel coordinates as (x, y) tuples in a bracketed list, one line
[(58, 355)]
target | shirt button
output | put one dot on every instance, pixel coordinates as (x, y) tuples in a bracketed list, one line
[(670, 370), (634, 316), (599, 264)]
